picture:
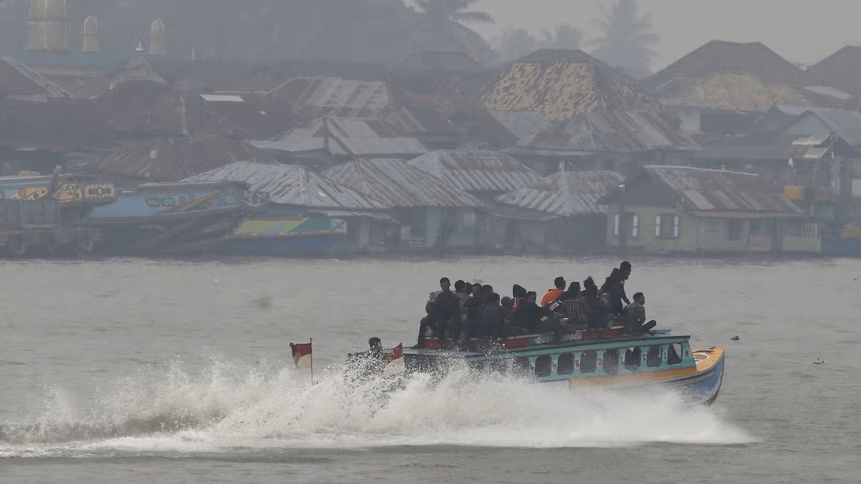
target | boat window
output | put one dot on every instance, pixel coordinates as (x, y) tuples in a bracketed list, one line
[(633, 358), (611, 362), (499, 365), (542, 365), (674, 354), (565, 364), (588, 361), (653, 357), (521, 366)]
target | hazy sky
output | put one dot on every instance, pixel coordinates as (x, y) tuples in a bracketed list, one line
[(803, 31)]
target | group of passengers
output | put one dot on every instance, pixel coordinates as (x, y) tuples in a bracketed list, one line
[(475, 310)]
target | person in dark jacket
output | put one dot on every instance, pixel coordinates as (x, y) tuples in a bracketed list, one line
[(443, 308), (635, 317), (533, 318), (614, 290)]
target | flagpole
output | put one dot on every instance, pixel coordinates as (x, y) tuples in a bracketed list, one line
[(310, 344)]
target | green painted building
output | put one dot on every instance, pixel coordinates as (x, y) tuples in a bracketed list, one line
[(667, 209)]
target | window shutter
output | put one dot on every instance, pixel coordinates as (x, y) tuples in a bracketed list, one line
[(635, 226), (676, 226), (616, 225), (658, 226)]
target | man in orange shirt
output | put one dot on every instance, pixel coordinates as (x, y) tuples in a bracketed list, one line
[(553, 294)]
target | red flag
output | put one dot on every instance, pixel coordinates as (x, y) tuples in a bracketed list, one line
[(394, 361), (301, 355)]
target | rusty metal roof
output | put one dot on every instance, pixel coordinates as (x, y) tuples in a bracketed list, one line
[(328, 96), (841, 70), (704, 190), (718, 56), (562, 84), (566, 194), (20, 82), (398, 184), (168, 159), (473, 171), (347, 137), (149, 108), (615, 132), (291, 185)]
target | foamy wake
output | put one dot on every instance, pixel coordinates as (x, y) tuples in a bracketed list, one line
[(230, 407)]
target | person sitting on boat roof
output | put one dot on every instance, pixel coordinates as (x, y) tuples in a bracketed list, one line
[(519, 294), (470, 312), (553, 294), (595, 311), (444, 306), (491, 318), (534, 318), (635, 317)]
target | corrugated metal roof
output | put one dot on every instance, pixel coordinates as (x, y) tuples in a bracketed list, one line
[(291, 185), (722, 191), (616, 132), (564, 83), (145, 107), (397, 184), (720, 57), (829, 91), (169, 159), (329, 96), (845, 123), (473, 171), (347, 136), (524, 125), (20, 82), (567, 193)]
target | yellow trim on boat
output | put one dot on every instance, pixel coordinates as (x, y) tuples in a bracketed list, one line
[(706, 358)]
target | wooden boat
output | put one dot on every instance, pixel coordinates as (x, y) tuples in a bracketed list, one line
[(590, 358)]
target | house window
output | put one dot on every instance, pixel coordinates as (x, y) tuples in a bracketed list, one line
[(736, 229), (667, 226), (630, 220)]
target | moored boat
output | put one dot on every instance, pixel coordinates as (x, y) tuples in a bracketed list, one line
[(588, 359)]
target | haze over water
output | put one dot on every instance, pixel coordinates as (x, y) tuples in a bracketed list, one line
[(180, 371)]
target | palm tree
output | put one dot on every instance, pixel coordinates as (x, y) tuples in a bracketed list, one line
[(628, 41)]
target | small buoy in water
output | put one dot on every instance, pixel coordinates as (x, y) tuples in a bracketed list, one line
[(735, 338), (819, 362)]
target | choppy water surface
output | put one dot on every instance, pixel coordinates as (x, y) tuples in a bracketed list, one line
[(166, 371)]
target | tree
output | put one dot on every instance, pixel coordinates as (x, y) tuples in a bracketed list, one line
[(516, 43), (563, 36), (627, 41), (442, 11)]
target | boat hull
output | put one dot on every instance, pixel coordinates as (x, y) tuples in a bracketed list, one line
[(626, 364)]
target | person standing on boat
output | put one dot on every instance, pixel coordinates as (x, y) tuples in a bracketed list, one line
[(624, 274), (553, 294), (614, 292), (443, 306)]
